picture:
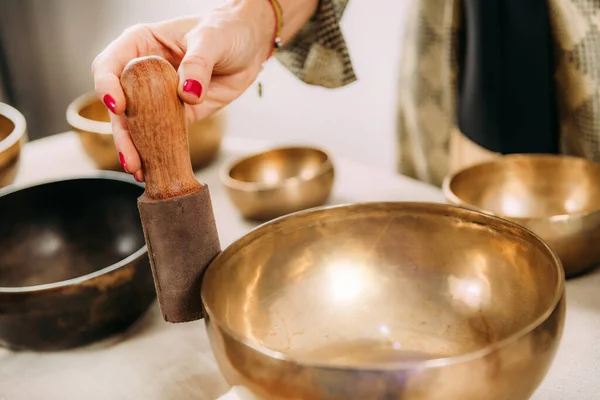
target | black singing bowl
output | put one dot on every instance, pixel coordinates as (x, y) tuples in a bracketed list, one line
[(74, 267)]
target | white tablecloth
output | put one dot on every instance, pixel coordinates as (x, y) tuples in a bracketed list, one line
[(159, 361)]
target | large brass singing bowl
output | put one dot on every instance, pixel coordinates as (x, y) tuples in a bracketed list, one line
[(555, 196), (13, 136), (279, 181), (386, 301), (89, 117)]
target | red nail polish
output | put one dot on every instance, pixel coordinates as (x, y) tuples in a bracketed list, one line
[(192, 86), (110, 102), (123, 163)]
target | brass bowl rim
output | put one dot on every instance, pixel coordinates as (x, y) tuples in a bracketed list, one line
[(20, 129), (78, 122), (232, 183), (451, 196), (470, 215), (100, 175)]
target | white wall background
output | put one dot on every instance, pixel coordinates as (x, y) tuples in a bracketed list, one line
[(356, 122)]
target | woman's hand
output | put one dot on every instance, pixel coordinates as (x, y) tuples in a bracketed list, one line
[(217, 55)]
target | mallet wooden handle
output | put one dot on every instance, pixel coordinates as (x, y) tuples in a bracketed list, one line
[(156, 122)]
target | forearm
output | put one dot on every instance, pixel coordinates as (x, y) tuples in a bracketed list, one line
[(296, 14)]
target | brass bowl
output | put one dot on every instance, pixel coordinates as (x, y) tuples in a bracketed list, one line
[(13, 136), (88, 116), (386, 300), (555, 196), (279, 181), (74, 266)]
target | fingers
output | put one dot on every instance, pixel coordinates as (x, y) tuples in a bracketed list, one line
[(128, 155), (106, 70), (109, 64), (196, 68)]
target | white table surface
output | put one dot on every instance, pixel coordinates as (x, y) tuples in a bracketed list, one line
[(155, 360)]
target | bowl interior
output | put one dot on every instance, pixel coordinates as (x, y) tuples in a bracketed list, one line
[(373, 284), (6, 127), (277, 165), (95, 110), (66, 229), (530, 186)]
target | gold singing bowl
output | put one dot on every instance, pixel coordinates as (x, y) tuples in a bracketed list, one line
[(386, 301), (279, 181), (555, 196), (89, 117), (13, 136)]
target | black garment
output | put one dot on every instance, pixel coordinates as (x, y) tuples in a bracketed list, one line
[(506, 99)]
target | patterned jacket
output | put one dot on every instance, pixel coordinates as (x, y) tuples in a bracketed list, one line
[(318, 55)]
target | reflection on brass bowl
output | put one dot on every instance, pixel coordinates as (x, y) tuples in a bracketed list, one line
[(13, 136), (74, 267), (555, 196), (386, 300), (279, 181), (89, 117)]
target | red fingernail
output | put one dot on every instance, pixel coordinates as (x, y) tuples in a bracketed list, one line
[(192, 86), (110, 102), (136, 176), (123, 163)]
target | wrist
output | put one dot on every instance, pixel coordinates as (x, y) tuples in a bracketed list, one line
[(261, 15), (262, 20)]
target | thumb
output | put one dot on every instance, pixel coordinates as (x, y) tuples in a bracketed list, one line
[(195, 70)]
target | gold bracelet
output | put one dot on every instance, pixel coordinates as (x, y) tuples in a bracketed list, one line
[(278, 26)]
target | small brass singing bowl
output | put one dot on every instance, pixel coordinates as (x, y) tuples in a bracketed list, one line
[(555, 196), (13, 136), (386, 300), (89, 118), (279, 181)]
